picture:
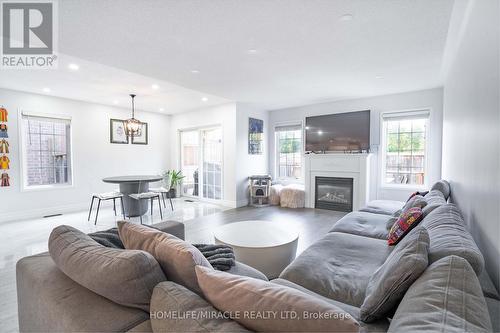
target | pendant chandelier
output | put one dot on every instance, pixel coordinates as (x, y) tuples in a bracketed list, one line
[(132, 125)]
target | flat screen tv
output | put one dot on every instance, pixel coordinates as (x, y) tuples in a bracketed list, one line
[(339, 132)]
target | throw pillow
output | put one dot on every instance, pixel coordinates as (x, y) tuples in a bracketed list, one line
[(407, 221), (177, 258), (415, 201), (124, 277), (423, 194), (389, 283), (263, 305)]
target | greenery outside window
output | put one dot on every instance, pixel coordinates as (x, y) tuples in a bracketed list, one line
[(404, 144), (288, 151)]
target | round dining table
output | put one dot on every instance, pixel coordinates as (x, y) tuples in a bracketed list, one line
[(133, 184)]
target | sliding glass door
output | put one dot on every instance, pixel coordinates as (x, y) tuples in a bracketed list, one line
[(201, 163), (190, 161)]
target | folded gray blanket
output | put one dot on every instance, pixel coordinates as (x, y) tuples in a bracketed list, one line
[(221, 257)]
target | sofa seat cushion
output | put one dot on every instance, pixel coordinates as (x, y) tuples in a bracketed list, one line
[(376, 326), (363, 224), (338, 266), (126, 277), (445, 298), (385, 207), (449, 236), (245, 270), (50, 301)]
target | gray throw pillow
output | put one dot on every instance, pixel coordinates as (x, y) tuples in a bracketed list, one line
[(126, 277), (445, 298), (389, 283)]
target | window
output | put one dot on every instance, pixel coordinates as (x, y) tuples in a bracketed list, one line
[(46, 151), (289, 151), (404, 141)]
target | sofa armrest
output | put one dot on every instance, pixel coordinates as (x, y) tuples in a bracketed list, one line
[(177, 309), (49, 301), (172, 227)]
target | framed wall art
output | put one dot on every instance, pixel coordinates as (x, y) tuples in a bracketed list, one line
[(117, 132), (142, 138), (255, 136)]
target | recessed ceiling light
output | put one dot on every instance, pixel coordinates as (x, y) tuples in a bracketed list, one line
[(320, 132), (155, 87), (162, 109), (346, 17), (115, 102), (251, 51), (307, 127), (204, 99), (73, 67), (195, 71), (46, 90), (378, 77)]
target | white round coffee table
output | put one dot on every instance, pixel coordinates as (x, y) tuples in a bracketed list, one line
[(265, 245)]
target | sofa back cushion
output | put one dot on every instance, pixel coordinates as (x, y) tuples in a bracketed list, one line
[(177, 258), (434, 200), (124, 277), (244, 295), (449, 236), (445, 298), (442, 186), (390, 282)]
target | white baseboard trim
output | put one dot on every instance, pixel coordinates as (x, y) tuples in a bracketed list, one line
[(39, 213)]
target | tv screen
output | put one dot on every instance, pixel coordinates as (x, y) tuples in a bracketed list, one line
[(339, 132)]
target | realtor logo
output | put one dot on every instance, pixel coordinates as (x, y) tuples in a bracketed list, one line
[(29, 34)]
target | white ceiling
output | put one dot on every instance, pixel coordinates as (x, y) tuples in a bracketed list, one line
[(304, 52), (102, 84)]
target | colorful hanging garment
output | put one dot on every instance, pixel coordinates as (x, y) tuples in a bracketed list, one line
[(3, 114), (4, 147), (4, 180), (3, 131), (4, 162)]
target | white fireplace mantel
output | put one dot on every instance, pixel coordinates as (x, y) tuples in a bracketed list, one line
[(355, 166)]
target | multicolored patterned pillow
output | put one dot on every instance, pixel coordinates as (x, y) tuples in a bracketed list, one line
[(407, 221)]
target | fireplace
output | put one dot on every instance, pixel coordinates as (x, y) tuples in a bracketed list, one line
[(334, 193)]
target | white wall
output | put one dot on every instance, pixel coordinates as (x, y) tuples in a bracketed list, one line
[(431, 99), (246, 164), (93, 156), (471, 128), (222, 115)]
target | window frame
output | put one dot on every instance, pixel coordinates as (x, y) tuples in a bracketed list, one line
[(277, 151), (402, 114), (23, 158)]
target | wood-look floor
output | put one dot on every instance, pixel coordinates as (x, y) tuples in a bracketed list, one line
[(23, 238)]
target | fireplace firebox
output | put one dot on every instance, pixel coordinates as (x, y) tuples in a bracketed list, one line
[(334, 193)]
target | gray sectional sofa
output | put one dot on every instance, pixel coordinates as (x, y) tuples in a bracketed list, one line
[(448, 297)]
